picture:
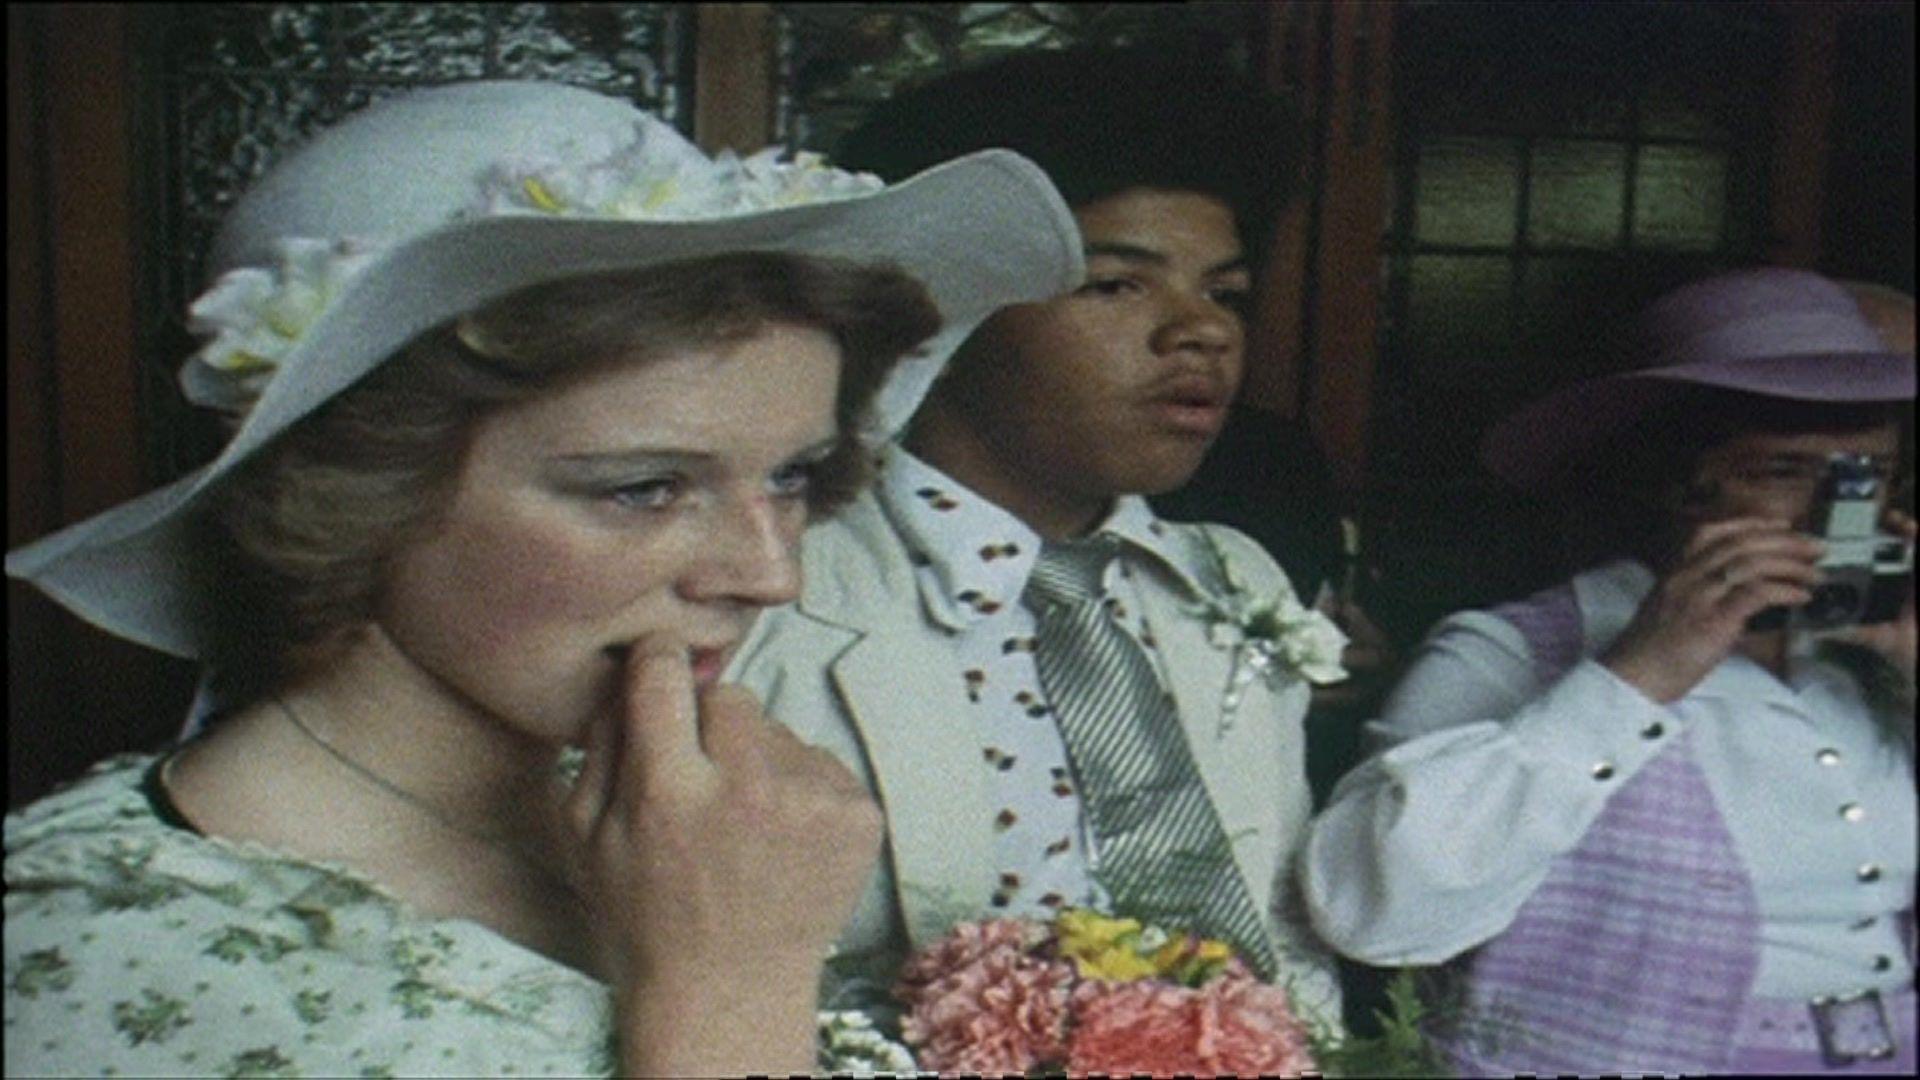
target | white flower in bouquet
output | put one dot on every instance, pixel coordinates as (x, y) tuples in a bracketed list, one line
[(849, 1045)]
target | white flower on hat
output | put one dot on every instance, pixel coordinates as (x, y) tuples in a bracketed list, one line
[(255, 316), (657, 175), (806, 179)]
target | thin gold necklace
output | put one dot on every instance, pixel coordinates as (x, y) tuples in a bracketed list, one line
[(516, 851)]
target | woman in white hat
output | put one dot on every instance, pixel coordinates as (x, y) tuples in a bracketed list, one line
[(536, 399)]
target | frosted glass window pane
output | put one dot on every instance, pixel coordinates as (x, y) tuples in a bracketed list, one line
[(1459, 309), (1468, 191), (1680, 199), (1578, 195), (1570, 313), (1574, 309)]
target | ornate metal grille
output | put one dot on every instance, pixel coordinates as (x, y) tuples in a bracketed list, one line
[(838, 60)]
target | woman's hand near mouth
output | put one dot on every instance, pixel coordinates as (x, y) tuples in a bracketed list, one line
[(711, 841)]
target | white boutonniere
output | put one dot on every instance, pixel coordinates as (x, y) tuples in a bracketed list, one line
[(1274, 637)]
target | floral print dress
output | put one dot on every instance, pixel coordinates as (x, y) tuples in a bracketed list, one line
[(135, 947)]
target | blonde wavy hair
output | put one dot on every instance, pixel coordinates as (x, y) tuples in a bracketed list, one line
[(303, 532)]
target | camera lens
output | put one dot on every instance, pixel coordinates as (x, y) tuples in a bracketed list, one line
[(1854, 489), (1832, 604)]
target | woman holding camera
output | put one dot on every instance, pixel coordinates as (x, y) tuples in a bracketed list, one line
[(1651, 821)]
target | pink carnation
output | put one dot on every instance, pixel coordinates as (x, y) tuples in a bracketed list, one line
[(1135, 1027), (1247, 1027), (1001, 1013), (967, 943), (1234, 1025)]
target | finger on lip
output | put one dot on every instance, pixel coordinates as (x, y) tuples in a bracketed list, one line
[(709, 662), (656, 656), (662, 718), (651, 663), (622, 652)]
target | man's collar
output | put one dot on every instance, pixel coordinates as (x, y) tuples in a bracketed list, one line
[(981, 555), (1134, 522)]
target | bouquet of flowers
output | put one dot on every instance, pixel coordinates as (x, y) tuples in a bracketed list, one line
[(1091, 994)]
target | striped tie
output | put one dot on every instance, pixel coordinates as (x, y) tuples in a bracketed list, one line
[(1160, 850)]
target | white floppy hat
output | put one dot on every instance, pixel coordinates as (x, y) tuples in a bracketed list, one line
[(434, 203)]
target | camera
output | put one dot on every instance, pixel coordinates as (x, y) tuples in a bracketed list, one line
[(1868, 573)]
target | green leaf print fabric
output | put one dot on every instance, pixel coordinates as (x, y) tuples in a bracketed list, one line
[(134, 948)]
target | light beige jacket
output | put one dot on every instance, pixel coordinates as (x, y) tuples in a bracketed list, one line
[(857, 667)]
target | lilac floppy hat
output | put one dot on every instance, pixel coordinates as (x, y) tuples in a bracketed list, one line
[(1772, 332)]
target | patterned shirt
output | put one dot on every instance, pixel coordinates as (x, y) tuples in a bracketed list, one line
[(972, 560), (136, 947)]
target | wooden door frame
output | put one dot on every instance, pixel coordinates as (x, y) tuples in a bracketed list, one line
[(76, 436)]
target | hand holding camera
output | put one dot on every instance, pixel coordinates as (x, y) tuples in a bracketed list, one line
[(1728, 572), (1895, 637), (1748, 574), (1867, 574)]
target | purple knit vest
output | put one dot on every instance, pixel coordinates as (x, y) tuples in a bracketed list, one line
[(1638, 951)]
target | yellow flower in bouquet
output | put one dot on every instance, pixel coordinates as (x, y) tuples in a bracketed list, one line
[(1102, 947), (1122, 950), (1191, 960), (1087, 994)]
